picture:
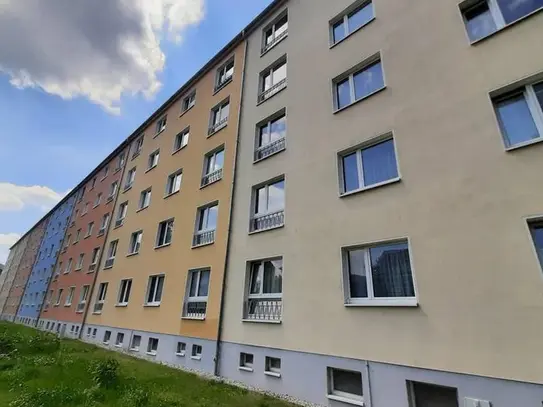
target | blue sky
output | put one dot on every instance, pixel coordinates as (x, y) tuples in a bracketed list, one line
[(50, 142)]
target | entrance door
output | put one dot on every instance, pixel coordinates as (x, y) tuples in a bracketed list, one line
[(429, 395)]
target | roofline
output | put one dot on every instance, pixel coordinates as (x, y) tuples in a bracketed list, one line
[(238, 39)]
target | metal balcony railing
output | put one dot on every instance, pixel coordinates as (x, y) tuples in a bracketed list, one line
[(109, 263), (195, 309), (263, 309), (268, 93), (203, 238), (269, 149), (274, 41), (268, 221), (211, 177), (217, 126)]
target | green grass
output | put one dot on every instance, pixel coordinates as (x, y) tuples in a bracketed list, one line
[(39, 370)]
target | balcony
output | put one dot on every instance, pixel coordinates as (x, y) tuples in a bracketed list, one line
[(203, 238), (195, 310), (269, 149), (274, 42), (211, 177), (263, 309), (80, 307), (217, 126), (268, 221), (268, 93)]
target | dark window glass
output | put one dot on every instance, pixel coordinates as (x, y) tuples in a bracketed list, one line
[(391, 271), (514, 9)]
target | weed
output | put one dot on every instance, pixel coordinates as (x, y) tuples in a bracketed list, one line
[(104, 372)]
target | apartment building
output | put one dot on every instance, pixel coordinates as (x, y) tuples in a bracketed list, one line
[(43, 267), (21, 280), (10, 270), (69, 292), (159, 289), (387, 205)]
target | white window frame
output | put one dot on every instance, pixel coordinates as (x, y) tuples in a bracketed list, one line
[(130, 178), (100, 297), (153, 160), (262, 91), (80, 261), (95, 257), (134, 245), (125, 290), (68, 266), (271, 370), (70, 296), (216, 112), (107, 337), (133, 346), (171, 187), (223, 69), (189, 101), (104, 224), (261, 294), (342, 396), (204, 211), (257, 215), (161, 124), (85, 209), (154, 302), (244, 364), (197, 298), (138, 146), (343, 18), (196, 352), (90, 227), (150, 342), (111, 253), (77, 236), (83, 294), (267, 124), (143, 195), (112, 191), (276, 39), (98, 200), (209, 162), (121, 214), (181, 140), (119, 340), (165, 224), (181, 349)]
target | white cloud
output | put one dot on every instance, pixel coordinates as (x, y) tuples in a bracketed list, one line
[(87, 48), (6, 241), (17, 197)]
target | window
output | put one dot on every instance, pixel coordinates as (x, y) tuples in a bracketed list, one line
[(85, 209), (145, 198), (94, 258), (77, 236), (111, 252), (173, 184), (196, 352), (97, 200), (67, 243), (198, 288), (188, 102), (137, 147), (80, 261), (120, 162), (181, 139), (485, 17), (213, 165), (271, 136), (153, 160), (379, 274), (371, 165), (103, 224), (164, 234), (275, 33), (360, 82), (345, 385), (224, 75), (80, 198), (520, 115), (269, 206), (120, 339), (423, 394), (135, 242), (273, 366), (355, 17), (265, 290), (59, 297), (161, 125), (219, 117), (68, 266), (83, 298), (206, 224), (106, 172), (273, 80), (130, 178), (246, 361), (152, 346), (154, 290), (90, 226), (124, 292), (121, 214), (100, 298), (136, 341), (107, 337), (89, 330), (181, 349), (112, 191), (94, 332), (536, 228)]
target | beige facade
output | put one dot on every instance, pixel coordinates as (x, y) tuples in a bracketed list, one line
[(461, 201), (174, 260)]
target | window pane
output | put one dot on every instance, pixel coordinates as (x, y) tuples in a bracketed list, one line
[(152, 287), (348, 382), (212, 218), (358, 281), (160, 285), (279, 128), (379, 163), (343, 94), (261, 203), (514, 9), (360, 17), (276, 196), (264, 136), (219, 160), (369, 80), (391, 271), (537, 233), (256, 278), (273, 277), (339, 31), (516, 120), (479, 22), (539, 93), (204, 284), (350, 173), (193, 283), (279, 73), (267, 81), (225, 111)]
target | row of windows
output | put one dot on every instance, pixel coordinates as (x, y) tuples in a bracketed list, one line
[(105, 172)]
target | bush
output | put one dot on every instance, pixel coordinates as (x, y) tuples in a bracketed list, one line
[(105, 372), (7, 344), (135, 397)]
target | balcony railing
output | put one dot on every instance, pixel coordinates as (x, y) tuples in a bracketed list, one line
[(97, 307), (195, 309), (268, 93), (203, 238), (222, 84), (80, 307), (217, 126), (270, 149), (109, 263), (274, 41), (211, 177), (268, 221), (263, 309)]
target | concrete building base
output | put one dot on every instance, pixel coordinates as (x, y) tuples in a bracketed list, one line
[(63, 328)]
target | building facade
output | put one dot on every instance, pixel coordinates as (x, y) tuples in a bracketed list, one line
[(381, 245), (77, 265), (159, 290), (10, 270), (42, 270)]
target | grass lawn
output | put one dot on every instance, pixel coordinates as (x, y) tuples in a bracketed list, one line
[(39, 370)]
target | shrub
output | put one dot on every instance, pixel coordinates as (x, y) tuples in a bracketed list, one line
[(105, 372), (7, 344), (135, 397)]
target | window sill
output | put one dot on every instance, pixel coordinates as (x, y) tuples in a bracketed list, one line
[(117, 170), (142, 209), (118, 226), (67, 305), (151, 168), (86, 237), (126, 189), (196, 357), (223, 85), (345, 400), (107, 267), (132, 254), (162, 246), (370, 187), (254, 232), (119, 346), (95, 206), (179, 149), (181, 355), (105, 343), (222, 126), (78, 312), (121, 305), (202, 245), (262, 53), (258, 103), (360, 100), (400, 302), (272, 374), (194, 318), (172, 194), (210, 183), (134, 349), (268, 156), (335, 44), (185, 111), (78, 269), (246, 369), (159, 133), (108, 200), (135, 155), (525, 144), (151, 305), (261, 321), (150, 353), (97, 313)]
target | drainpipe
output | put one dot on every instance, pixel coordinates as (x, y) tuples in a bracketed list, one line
[(232, 196), (369, 382)]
